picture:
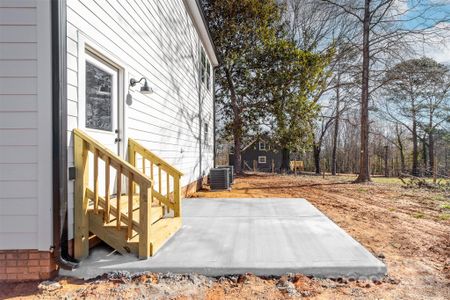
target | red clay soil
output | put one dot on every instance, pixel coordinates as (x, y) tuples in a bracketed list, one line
[(409, 229)]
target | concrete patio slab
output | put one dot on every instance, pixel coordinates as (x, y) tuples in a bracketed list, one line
[(269, 236)]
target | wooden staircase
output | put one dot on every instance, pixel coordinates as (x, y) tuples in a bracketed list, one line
[(138, 221)]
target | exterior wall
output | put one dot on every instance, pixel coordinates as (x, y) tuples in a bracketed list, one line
[(156, 40), (252, 152), (25, 127)]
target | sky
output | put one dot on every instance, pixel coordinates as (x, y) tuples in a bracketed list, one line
[(426, 16)]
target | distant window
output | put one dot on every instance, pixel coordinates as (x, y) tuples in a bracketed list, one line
[(205, 132), (205, 69), (262, 159), (262, 146), (202, 65), (208, 75)]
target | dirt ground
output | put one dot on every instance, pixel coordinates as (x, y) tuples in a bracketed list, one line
[(409, 229)]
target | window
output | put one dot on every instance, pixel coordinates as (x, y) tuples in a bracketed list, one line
[(205, 69), (99, 97), (203, 65), (261, 159), (262, 146), (206, 131), (208, 75)]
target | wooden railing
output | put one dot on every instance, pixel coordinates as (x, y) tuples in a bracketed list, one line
[(166, 188), (83, 146)]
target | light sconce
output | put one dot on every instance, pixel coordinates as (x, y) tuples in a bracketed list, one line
[(145, 89)]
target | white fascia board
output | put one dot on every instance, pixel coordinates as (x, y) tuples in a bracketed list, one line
[(199, 23)]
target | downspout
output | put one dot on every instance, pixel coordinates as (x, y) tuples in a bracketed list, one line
[(214, 117), (59, 134)]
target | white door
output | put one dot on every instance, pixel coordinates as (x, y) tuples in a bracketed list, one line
[(99, 112)]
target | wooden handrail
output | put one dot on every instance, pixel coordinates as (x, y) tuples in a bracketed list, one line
[(163, 166), (115, 160), (83, 144)]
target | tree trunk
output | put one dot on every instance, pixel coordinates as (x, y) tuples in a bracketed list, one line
[(431, 144), (364, 174), (336, 129), (425, 156), (237, 125), (415, 162), (386, 160), (237, 154), (285, 160), (401, 148), (317, 158)]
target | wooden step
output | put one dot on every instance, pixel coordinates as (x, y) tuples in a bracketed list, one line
[(161, 232), (116, 238)]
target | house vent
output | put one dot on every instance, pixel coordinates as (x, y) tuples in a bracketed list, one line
[(219, 179), (230, 172)]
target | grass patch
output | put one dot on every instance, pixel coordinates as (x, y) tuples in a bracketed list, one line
[(439, 197), (418, 215), (444, 217), (387, 180), (446, 206)]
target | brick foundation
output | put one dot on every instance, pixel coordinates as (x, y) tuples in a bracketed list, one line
[(26, 265)]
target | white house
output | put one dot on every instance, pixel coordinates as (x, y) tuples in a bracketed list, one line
[(135, 78)]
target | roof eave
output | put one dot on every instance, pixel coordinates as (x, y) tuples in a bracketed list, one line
[(196, 13)]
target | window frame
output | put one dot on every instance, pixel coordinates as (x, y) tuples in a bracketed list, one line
[(261, 158), (262, 148), (205, 69), (206, 133)]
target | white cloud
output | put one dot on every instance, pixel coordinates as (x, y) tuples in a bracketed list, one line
[(436, 43)]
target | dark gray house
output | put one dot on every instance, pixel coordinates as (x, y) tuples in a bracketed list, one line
[(260, 155)]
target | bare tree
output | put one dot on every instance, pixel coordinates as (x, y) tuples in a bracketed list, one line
[(382, 30)]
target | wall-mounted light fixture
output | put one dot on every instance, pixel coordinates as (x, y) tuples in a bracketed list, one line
[(145, 89)]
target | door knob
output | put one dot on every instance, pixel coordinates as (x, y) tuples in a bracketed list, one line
[(117, 140)]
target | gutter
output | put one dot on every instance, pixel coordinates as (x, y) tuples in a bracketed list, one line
[(59, 134), (202, 14)]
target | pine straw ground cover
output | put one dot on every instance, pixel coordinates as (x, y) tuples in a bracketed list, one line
[(408, 229)]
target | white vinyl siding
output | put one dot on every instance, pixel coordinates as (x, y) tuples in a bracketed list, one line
[(156, 40), (25, 129)]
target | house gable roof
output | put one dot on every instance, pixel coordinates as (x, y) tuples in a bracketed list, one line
[(259, 138), (196, 13)]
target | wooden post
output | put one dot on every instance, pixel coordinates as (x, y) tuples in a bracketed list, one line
[(132, 159), (130, 205), (145, 205), (254, 165), (177, 195), (81, 218), (273, 166), (167, 190), (96, 181), (106, 217), (119, 196), (295, 167)]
